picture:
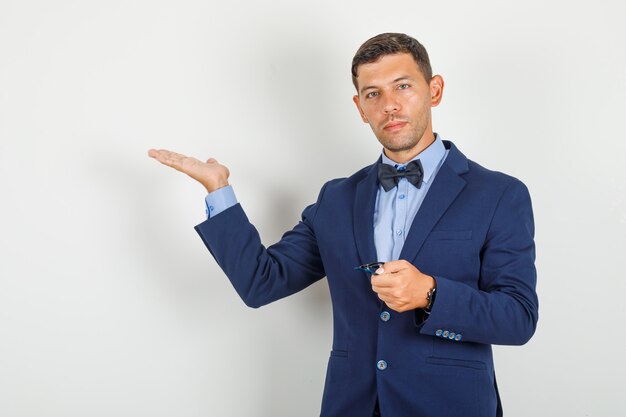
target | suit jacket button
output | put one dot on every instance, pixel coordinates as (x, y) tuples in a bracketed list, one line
[(439, 332), (445, 333), (381, 365), (385, 316), (451, 335), (458, 337)]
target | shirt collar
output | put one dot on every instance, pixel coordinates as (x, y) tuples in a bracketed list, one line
[(430, 157)]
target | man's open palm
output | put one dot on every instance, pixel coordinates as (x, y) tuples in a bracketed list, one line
[(211, 174)]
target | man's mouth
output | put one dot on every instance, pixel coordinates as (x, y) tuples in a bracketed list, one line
[(394, 126)]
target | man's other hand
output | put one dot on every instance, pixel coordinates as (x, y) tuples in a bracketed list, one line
[(402, 286), (211, 174)]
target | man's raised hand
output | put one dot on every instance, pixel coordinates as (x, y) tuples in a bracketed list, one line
[(211, 174)]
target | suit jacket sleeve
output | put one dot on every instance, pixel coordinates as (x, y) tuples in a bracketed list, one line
[(503, 309), (261, 275)]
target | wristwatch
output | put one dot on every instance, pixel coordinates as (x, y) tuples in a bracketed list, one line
[(430, 296)]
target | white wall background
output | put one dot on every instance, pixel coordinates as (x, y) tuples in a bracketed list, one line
[(111, 306)]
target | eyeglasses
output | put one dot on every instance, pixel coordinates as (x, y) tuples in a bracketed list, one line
[(370, 268)]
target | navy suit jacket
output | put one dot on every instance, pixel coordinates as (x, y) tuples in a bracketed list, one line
[(473, 233)]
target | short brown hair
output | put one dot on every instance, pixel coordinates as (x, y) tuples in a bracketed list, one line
[(387, 44)]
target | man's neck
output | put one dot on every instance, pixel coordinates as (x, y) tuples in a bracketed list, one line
[(404, 156)]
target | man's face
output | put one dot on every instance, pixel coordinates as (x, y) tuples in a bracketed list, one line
[(395, 99)]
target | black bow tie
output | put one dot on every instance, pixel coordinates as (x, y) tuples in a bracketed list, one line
[(389, 177)]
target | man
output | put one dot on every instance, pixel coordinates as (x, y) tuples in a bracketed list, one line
[(413, 334)]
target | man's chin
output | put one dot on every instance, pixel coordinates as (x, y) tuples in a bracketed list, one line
[(398, 146)]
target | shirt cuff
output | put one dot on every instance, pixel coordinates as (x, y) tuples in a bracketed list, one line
[(219, 200)]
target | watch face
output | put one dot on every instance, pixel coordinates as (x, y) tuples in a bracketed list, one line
[(431, 293), (430, 296)]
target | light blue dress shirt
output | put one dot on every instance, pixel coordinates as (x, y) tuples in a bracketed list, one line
[(394, 211), (219, 200)]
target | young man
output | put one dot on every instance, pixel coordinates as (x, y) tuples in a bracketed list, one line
[(453, 242)]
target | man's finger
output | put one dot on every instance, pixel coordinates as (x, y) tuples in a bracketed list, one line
[(169, 158), (395, 266), (160, 155), (384, 280), (164, 154)]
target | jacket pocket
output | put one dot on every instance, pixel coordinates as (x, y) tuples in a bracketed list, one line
[(450, 235), (459, 363), (338, 371), (339, 353)]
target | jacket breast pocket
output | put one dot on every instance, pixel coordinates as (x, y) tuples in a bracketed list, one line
[(453, 254), (450, 235)]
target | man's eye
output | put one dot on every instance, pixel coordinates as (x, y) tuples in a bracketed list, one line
[(372, 94), (403, 86)]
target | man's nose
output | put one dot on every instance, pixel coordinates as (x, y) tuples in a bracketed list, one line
[(390, 105)]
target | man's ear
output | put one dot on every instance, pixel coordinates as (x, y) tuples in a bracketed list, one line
[(436, 90), (358, 106)]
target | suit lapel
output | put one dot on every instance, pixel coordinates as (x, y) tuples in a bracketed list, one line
[(363, 216), (446, 187)]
